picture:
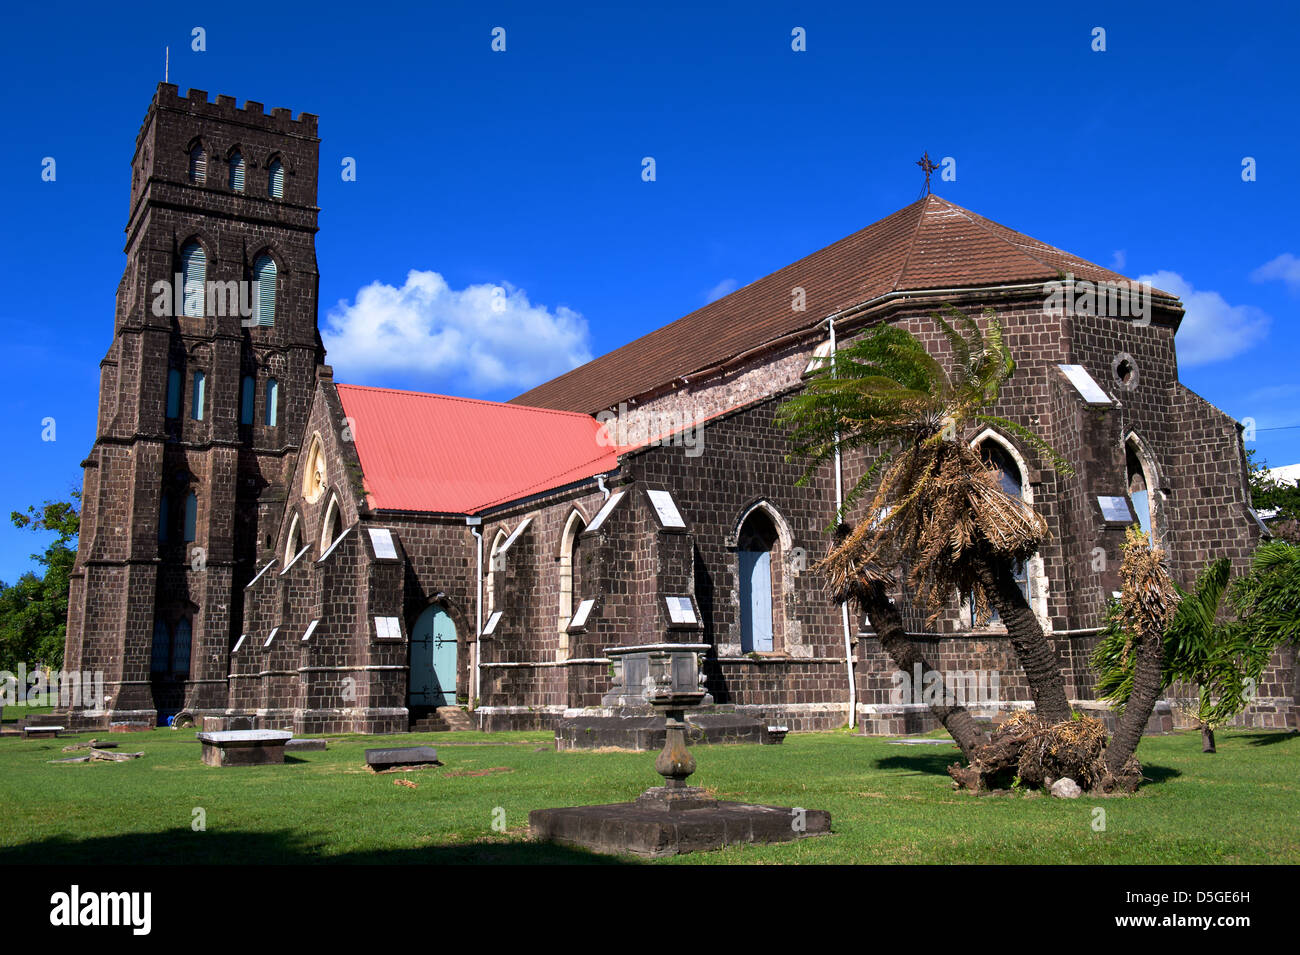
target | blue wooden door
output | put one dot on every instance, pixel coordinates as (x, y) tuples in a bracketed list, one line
[(755, 600), (433, 659)]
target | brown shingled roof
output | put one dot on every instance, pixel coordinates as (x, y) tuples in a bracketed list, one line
[(931, 244)]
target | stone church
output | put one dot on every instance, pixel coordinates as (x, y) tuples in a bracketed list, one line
[(263, 543)]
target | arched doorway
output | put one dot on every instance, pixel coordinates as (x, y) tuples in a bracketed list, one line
[(756, 543), (433, 659)]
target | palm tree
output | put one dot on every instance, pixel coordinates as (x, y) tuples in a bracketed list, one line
[(936, 506), (870, 591), (1224, 658)]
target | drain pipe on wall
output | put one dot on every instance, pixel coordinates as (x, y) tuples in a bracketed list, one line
[(474, 523), (839, 516)]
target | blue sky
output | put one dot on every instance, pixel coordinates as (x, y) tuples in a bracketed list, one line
[(522, 169)]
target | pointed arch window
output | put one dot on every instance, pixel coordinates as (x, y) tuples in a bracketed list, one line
[(332, 526), (1140, 491), (272, 415), (1012, 481), (237, 172), (247, 395), (194, 271), (264, 280), (198, 164), (292, 541), (757, 544), (570, 575), (191, 515), (495, 562), (275, 179)]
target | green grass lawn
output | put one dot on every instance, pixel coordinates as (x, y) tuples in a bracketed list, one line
[(888, 803)]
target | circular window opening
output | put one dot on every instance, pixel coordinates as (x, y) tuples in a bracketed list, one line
[(1125, 371)]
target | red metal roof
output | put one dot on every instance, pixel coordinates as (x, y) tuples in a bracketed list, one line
[(423, 452), (930, 244)]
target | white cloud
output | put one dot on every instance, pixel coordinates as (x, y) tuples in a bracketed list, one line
[(1285, 268), (477, 338), (1118, 261), (725, 287), (1212, 330)]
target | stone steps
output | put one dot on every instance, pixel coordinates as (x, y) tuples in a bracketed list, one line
[(442, 720)]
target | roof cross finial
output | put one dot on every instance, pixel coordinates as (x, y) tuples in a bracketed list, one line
[(927, 166)]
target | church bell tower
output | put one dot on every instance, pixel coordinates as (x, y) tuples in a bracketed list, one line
[(203, 398)]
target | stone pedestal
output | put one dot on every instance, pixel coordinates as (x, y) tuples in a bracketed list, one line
[(244, 747), (675, 817)]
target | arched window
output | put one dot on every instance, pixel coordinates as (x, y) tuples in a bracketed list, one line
[(198, 163), (191, 515), (757, 544), (247, 394), (272, 402), (494, 560), (173, 393), (164, 517), (1140, 491), (275, 179), (264, 279), (293, 541), (570, 575), (237, 172), (194, 269), (332, 526), (198, 396), (1012, 482)]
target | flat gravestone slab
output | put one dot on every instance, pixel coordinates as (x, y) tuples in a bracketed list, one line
[(643, 829), (304, 745), (244, 747), (29, 731), (402, 757)]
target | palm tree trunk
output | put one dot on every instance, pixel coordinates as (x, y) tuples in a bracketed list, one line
[(1137, 711), (1041, 663), (1207, 739), (888, 622)]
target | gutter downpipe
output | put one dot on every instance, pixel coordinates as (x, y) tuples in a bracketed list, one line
[(474, 523), (839, 517)]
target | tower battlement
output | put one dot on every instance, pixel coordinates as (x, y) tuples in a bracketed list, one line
[(225, 109)]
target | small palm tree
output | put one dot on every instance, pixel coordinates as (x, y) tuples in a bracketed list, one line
[(936, 506), (1224, 658)]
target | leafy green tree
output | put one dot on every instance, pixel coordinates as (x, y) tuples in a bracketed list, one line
[(34, 611), (1269, 494)]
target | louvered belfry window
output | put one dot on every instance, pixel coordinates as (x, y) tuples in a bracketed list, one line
[(194, 268), (237, 172), (198, 164), (264, 274), (275, 179)]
